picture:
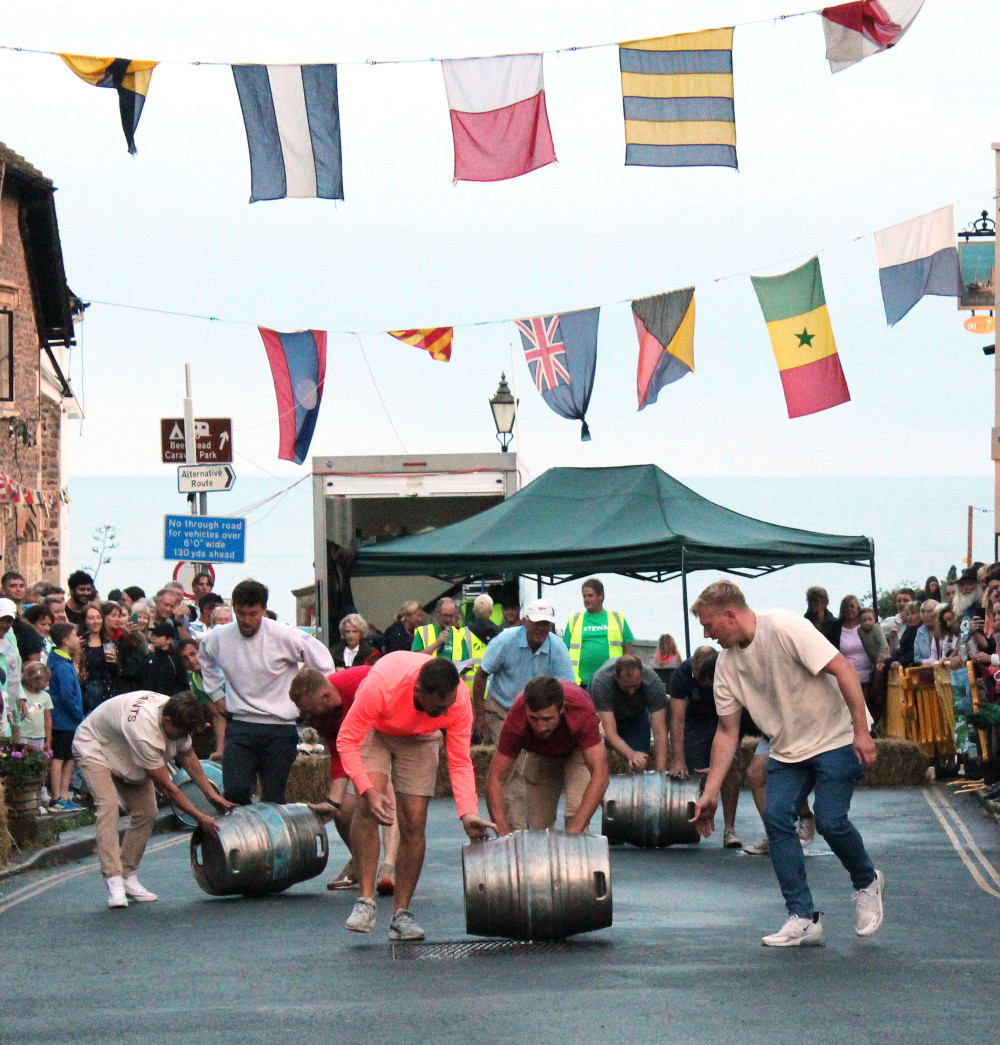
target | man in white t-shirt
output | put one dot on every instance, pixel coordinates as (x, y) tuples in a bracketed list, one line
[(123, 747), (806, 697)]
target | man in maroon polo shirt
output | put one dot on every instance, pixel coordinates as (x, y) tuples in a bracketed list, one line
[(555, 723)]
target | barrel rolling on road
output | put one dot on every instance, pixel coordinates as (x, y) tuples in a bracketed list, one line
[(650, 810), (537, 885), (259, 849)]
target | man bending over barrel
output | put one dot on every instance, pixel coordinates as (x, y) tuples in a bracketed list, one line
[(123, 747), (806, 697), (394, 729), (556, 724)]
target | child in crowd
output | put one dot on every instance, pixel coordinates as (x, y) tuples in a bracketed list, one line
[(36, 726), (163, 672), (67, 711)]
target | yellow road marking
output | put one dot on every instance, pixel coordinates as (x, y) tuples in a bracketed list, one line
[(27, 892), (938, 803)]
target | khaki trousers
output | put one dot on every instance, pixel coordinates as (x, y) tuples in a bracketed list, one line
[(513, 788), (139, 801), (545, 779)]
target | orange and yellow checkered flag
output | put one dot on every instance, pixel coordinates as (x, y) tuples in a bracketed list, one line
[(436, 340)]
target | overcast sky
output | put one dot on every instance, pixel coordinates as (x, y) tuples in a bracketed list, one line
[(824, 161)]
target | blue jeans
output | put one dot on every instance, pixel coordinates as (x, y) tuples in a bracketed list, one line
[(254, 749), (832, 776)]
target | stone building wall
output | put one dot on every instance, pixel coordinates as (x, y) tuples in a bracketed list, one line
[(30, 423)]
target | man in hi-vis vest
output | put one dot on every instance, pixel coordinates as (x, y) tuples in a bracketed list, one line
[(443, 638), (596, 635)]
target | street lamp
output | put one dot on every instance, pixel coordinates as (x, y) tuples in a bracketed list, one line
[(503, 406)]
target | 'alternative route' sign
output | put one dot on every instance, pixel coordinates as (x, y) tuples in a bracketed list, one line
[(204, 538), (205, 478)]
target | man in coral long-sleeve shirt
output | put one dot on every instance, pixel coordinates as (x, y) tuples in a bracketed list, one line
[(394, 726)]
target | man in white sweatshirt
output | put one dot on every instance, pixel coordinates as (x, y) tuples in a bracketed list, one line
[(255, 659)]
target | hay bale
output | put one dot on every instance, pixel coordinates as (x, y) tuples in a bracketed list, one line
[(309, 780), (482, 755), (899, 763), (5, 842)]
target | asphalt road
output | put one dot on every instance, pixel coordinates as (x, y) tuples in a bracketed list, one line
[(682, 963)]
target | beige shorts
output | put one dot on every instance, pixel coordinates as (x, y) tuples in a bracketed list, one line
[(412, 762)]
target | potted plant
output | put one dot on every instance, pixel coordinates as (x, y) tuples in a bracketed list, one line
[(23, 769)]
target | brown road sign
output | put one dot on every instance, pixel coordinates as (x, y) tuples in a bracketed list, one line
[(213, 440)]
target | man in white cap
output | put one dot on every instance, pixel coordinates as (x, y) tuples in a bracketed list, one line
[(512, 659)]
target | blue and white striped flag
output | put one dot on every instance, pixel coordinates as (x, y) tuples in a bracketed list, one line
[(292, 119)]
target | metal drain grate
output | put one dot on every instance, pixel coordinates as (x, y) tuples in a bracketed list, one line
[(478, 949)]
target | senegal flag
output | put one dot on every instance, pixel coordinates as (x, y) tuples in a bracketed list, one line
[(794, 308)]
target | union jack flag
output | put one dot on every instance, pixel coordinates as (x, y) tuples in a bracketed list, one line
[(548, 370)]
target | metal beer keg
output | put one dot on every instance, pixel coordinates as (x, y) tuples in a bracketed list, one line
[(650, 810), (259, 849), (537, 885), (193, 793)]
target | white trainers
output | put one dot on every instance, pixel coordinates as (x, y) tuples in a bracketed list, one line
[(797, 932), (403, 927), (806, 830), (135, 890), (868, 912), (761, 848), (362, 918), (730, 839), (116, 892)]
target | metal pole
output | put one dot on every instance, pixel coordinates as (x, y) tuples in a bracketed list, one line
[(968, 561), (190, 450), (995, 448), (684, 596), (871, 564)]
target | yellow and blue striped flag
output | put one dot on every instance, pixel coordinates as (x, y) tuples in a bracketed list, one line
[(128, 77), (678, 97)]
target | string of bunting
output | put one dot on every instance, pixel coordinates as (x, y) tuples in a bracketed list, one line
[(13, 492), (677, 94)]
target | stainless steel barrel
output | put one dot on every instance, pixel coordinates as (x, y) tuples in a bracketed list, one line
[(537, 885), (650, 810), (194, 794), (259, 849)]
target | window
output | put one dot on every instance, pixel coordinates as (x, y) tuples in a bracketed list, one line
[(6, 356)]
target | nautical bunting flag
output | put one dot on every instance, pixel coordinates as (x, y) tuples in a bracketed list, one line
[(292, 118), (678, 96), (561, 352), (129, 78), (298, 366), (794, 308), (665, 325), (856, 30), (436, 340), (916, 258), (498, 117)]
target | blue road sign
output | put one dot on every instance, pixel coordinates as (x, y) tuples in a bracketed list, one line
[(204, 538)]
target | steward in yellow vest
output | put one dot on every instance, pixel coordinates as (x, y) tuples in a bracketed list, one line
[(443, 638), (596, 635)]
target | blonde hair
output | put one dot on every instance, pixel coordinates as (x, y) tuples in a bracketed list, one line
[(666, 647), (354, 620), (720, 595), (483, 606)]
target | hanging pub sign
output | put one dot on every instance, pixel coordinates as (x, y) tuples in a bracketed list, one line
[(975, 261)]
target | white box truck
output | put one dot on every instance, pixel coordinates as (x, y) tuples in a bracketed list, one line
[(380, 498)]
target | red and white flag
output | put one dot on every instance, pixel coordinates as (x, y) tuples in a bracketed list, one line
[(498, 117), (857, 30)]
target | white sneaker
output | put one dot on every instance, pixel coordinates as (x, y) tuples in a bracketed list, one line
[(797, 932), (806, 830), (362, 918), (135, 890), (730, 840), (762, 848), (868, 912), (116, 892)]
